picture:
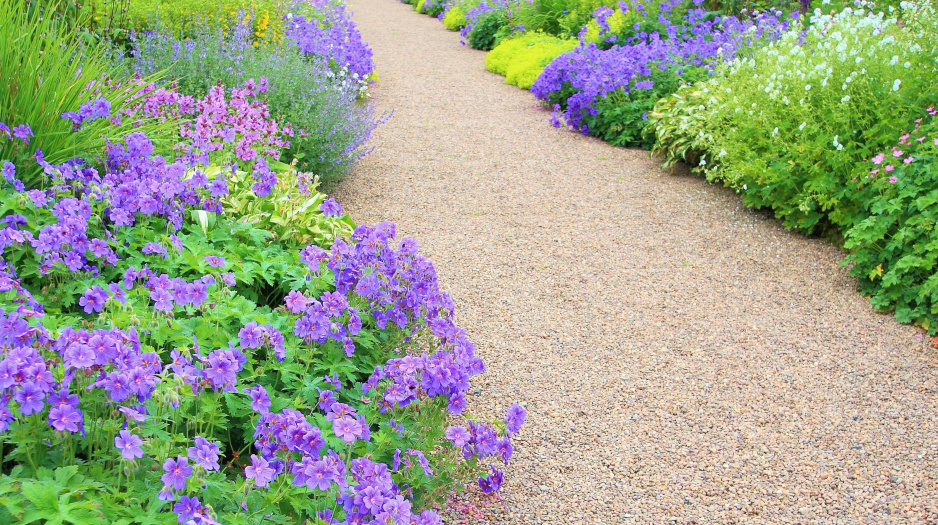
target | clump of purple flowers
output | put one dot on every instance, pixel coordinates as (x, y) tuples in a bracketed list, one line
[(332, 35), (576, 81)]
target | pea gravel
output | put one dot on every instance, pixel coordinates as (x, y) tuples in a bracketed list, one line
[(682, 359)]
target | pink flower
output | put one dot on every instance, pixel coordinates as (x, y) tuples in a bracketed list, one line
[(920, 139), (896, 152), (889, 168), (893, 180), (879, 158), (908, 160), (874, 172)]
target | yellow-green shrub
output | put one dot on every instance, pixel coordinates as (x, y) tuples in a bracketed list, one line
[(419, 6), (521, 59), (180, 14), (455, 19)]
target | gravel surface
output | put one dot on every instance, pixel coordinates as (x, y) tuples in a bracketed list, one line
[(682, 359)]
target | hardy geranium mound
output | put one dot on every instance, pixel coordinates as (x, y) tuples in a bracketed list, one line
[(175, 370)]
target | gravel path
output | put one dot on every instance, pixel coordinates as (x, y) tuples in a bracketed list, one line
[(682, 359)]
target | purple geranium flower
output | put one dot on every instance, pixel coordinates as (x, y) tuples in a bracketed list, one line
[(260, 471), (129, 445), (204, 453), (491, 483), (260, 399), (515, 418), (347, 428), (30, 397), (94, 299), (177, 470), (458, 435), (65, 417), (331, 208), (215, 261), (187, 508)]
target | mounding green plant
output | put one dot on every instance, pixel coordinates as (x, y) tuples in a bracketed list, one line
[(679, 124), (522, 58), (894, 251), (455, 18)]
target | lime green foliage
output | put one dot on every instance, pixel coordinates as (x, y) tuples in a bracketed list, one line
[(455, 18), (41, 78), (418, 6), (521, 59)]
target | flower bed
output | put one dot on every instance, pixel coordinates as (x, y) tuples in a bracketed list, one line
[(193, 333)]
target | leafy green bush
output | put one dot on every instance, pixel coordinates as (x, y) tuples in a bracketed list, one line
[(679, 124), (521, 59), (620, 115), (792, 123), (484, 34), (184, 363), (894, 251)]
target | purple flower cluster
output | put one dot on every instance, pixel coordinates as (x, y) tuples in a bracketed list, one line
[(591, 73), (167, 293), (20, 132), (254, 336), (111, 360), (332, 35), (91, 110)]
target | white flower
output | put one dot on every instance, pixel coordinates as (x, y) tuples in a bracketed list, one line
[(807, 87), (745, 186), (895, 85), (801, 127), (894, 61), (846, 98), (907, 65), (775, 132)]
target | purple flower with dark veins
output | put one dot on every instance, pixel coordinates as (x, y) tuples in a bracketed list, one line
[(93, 300), (129, 445), (215, 261), (176, 472), (204, 453), (331, 208), (260, 471), (515, 418), (64, 418)]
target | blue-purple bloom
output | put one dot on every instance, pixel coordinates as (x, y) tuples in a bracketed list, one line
[(94, 299), (204, 453), (260, 471), (129, 445), (176, 472), (331, 208)]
